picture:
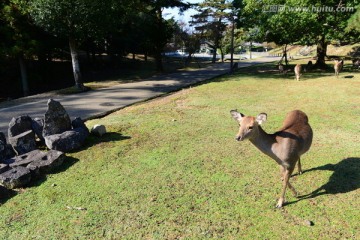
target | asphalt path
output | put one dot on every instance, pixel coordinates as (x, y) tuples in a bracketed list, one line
[(100, 102)]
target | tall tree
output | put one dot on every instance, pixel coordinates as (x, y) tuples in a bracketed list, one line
[(162, 30), (211, 22), (74, 19), (308, 22), (19, 36), (354, 21)]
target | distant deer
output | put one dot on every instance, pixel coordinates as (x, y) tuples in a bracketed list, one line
[(297, 71), (284, 146), (356, 63), (281, 68), (338, 65)]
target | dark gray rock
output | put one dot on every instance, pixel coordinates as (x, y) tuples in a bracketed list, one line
[(19, 125), (47, 163), (2, 138), (6, 150), (23, 143), (67, 141), (37, 125), (9, 151), (98, 130), (15, 177), (25, 159), (4, 167), (2, 146), (78, 123), (56, 119)]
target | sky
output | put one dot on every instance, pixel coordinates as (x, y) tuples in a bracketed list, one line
[(185, 16)]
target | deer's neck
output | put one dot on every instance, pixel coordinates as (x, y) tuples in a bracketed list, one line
[(266, 143)]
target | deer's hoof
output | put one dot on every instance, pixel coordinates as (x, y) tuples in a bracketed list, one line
[(280, 203)]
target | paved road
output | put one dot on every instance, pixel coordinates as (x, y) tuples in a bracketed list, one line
[(100, 102)]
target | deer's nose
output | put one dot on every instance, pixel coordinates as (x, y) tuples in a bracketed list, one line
[(238, 138)]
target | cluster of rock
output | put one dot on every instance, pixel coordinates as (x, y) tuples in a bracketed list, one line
[(21, 161)]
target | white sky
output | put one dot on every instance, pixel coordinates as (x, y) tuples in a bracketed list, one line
[(174, 12)]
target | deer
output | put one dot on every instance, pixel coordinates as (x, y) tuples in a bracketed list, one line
[(284, 146), (281, 68), (297, 71), (356, 63), (338, 67)]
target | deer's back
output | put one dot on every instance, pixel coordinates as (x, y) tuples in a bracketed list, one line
[(296, 133)]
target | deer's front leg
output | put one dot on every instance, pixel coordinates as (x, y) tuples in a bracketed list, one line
[(285, 182)]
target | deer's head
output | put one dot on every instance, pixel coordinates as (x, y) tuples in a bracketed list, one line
[(248, 126)]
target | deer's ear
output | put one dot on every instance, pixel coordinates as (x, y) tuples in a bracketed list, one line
[(261, 118), (236, 115)]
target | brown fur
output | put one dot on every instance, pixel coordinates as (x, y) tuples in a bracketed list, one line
[(284, 146), (338, 65), (297, 71)]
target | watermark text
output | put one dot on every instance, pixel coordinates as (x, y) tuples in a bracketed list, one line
[(328, 9)]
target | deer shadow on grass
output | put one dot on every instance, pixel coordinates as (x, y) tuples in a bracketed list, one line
[(345, 178)]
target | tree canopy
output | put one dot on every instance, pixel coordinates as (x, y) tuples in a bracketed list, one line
[(36, 30)]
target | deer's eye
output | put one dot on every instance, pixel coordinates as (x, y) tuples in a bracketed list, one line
[(250, 127)]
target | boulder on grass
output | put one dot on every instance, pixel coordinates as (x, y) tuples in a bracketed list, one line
[(37, 125), (23, 143), (25, 159), (19, 125), (47, 163), (4, 167), (67, 141), (6, 150), (56, 119), (98, 130), (15, 177), (78, 123)]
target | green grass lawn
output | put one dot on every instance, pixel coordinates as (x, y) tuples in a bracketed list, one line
[(171, 169)]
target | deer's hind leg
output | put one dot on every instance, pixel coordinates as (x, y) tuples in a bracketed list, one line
[(299, 167)]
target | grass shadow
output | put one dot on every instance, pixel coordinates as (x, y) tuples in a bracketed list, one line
[(6, 194), (107, 137), (345, 178)]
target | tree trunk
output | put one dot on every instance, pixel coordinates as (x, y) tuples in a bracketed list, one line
[(23, 71), (158, 44), (214, 55), (285, 55), (222, 54), (321, 53), (158, 62), (75, 64), (232, 45), (250, 50)]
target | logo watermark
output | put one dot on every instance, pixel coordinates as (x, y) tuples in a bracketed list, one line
[(326, 9)]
